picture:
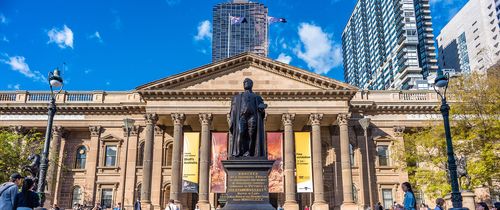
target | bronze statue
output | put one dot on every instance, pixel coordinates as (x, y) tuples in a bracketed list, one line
[(34, 167), (247, 135)]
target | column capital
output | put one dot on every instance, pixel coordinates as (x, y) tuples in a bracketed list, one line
[(58, 130), (205, 118), (343, 118), (95, 130), (288, 118), (17, 129), (178, 118), (134, 131), (159, 130), (315, 118), (151, 118), (398, 130)]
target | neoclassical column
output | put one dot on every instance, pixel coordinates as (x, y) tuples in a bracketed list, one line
[(147, 167), (345, 161), (92, 162), (175, 190), (319, 195), (290, 202), (205, 120), (55, 145)]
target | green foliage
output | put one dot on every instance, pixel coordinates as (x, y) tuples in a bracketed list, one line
[(15, 149), (475, 129)]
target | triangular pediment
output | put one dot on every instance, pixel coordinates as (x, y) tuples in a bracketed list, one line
[(228, 75)]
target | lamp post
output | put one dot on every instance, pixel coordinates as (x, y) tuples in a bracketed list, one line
[(365, 124), (440, 86), (55, 80)]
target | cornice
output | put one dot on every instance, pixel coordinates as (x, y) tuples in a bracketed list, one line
[(41, 108)]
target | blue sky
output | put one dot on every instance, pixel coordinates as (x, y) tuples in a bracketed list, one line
[(121, 44)]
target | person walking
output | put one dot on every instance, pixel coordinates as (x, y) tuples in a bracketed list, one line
[(280, 208), (171, 205), (439, 204), (137, 205), (409, 202), (482, 206), (26, 199), (379, 206), (97, 206), (8, 191)]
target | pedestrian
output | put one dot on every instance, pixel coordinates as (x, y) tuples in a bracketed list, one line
[(137, 205), (118, 206), (280, 208), (26, 199), (379, 206), (482, 206), (306, 207), (97, 206), (496, 206), (55, 207), (439, 204), (171, 205), (409, 202), (8, 191), (197, 207)]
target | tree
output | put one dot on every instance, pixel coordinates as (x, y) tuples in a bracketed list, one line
[(475, 128), (15, 149)]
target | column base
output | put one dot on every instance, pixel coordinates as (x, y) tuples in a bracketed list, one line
[(147, 206), (291, 205), (349, 206), (204, 206), (320, 206)]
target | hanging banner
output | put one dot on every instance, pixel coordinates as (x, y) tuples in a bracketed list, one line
[(303, 162), (190, 160), (275, 152), (219, 153)]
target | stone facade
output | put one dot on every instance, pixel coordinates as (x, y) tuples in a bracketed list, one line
[(147, 164)]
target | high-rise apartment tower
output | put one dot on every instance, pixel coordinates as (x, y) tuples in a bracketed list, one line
[(232, 38), (388, 44)]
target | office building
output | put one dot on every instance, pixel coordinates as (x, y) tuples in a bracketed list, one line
[(248, 36), (470, 41), (389, 45)]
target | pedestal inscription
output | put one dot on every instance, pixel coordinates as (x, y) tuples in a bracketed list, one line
[(247, 186)]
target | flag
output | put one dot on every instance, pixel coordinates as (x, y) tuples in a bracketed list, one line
[(237, 20), (272, 20)]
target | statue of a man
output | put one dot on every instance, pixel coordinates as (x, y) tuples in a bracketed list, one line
[(247, 137)]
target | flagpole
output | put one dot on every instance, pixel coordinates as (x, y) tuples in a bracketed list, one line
[(228, 33)]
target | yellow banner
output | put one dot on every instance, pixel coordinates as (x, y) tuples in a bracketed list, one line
[(303, 162), (190, 160)]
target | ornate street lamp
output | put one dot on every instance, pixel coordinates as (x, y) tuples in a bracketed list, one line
[(440, 86), (365, 124), (55, 81)]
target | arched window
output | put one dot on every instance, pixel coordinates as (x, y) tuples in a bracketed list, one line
[(76, 196), (167, 155), (81, 157), (140, 154), (351, 155)]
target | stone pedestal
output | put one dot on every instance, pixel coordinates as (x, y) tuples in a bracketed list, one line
[(349, 206), (468, 200), (247, 184)]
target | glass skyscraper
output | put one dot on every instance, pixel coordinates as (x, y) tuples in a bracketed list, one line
[(248, 36), (388, 44)]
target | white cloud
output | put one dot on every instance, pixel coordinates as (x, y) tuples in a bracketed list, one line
[(15, 87), (3, 19), (204, 31), (4, 39), (108, 83), (284, 58), (97, 36), (62, 37), (18, 63), (317, 49)]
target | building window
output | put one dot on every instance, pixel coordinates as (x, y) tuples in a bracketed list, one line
[(110, 156), (106, 198), (387, 198), (167, 155), (383, 155), (140, 154), (76, 196), (81, 157), (351, 155)]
